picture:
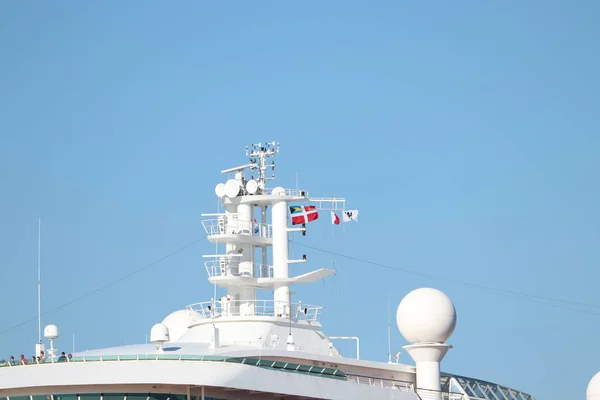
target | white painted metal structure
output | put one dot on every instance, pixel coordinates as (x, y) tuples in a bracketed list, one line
[(238, 345), (593, 389), (426, 318)]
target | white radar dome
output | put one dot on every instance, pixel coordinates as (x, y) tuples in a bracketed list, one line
[(593, 389), (252, 186), (426, 315), (232, 188), (159, 333), (220, 190), (179, 321), (51, 332), (278, 191)]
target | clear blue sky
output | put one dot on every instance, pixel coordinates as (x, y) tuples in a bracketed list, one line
[(465, 133)]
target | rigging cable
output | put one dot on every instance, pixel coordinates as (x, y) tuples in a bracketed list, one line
[(104, 286), (528, 296), (532, 297)]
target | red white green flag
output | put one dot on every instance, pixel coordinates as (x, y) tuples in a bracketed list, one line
[(303, 214)]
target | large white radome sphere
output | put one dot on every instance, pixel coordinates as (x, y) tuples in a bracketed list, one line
[(593, 389), (426, 315), (179, 321)]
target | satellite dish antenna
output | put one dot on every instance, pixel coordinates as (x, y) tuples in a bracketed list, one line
[(232, 188), (220, 190), (252, 186)]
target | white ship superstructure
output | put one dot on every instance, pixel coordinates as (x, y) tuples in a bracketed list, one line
[(255, 223), (250, 339)]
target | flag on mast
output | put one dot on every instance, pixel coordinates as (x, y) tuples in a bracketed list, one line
[(303, 214), (335, 219), (350, 215)]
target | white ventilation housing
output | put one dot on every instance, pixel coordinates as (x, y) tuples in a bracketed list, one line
[(51, 332), (426, 315)]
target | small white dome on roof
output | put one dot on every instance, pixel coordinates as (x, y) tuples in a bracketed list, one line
[(593, 389), (159, 333), (179, 321), (426, 315), (51, 332), (278, 191)]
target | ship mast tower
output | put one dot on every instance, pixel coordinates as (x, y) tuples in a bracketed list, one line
[(238, 230)]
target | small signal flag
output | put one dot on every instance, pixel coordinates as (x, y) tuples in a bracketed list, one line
[(335, 219)]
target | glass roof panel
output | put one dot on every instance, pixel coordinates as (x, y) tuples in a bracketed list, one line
[(454, 387), (477, 390), (499, 393), (481, 390)]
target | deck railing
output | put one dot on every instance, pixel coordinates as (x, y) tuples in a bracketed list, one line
[(230, 224), (291, 192), (223, 266), (426, 394), (380, 382), (332, 373), (258, 362), (256, 308)]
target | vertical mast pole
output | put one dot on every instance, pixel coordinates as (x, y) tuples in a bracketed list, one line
[(39, 288), (389, 336)]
